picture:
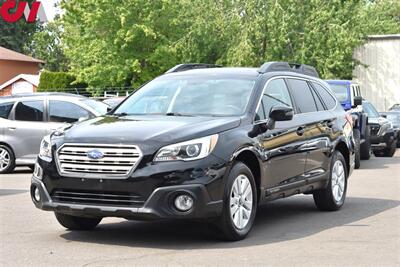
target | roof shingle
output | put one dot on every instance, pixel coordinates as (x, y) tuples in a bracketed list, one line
[(6, 54)]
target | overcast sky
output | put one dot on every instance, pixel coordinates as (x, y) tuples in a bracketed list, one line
[(49, 8)]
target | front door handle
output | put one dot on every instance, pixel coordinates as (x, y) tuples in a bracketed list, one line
[(300, 131), (12, 128)]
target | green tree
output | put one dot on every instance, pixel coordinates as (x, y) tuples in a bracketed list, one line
[(15, 36), (117, 43), (47, 45), (124, 43)]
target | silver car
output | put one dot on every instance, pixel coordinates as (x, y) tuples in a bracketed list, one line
[(26, 119)]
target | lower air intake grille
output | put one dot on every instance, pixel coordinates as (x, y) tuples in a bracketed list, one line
[(97, 198)]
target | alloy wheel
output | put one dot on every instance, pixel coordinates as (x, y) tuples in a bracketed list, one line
[(5, 159), (241, 201), (338, 181)]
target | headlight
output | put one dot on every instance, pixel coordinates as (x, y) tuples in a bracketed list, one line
[(384, 128), (190, 150), (45, 148)]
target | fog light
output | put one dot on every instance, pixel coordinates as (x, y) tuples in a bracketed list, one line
[(36, 194), (183, 202)]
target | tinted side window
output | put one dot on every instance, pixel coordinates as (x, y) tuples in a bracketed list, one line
[(5, 109), (329, 100), (302, 95), (276, 94), (317, 99), (29, 111), (61, 111)]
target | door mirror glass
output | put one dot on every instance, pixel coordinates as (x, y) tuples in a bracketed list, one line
[(357, 101), (280, 113)]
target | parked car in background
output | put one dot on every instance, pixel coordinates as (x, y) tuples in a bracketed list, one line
[(349, 95), (208, 144), (395, 107), (25, 119), (394, 118), (383, 136), (114, 101)]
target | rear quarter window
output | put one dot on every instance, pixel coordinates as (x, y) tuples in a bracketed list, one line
[(329, 100), (5, 109)]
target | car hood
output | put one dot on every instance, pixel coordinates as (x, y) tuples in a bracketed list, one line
[(148, 130), (379, 120)]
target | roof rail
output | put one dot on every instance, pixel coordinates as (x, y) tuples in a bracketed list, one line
[(191, 66), (292, 67)]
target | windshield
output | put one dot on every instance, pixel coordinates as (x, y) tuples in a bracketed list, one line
[(370, 110), (99, 107), (340, 91), (190, 96)]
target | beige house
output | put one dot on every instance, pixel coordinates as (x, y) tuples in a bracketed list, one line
[(380, 79)]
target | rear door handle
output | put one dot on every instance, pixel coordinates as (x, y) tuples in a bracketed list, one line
[(300, 131), (12, 128)]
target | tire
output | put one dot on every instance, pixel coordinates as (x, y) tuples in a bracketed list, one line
[(330, 199), (77, 223), (7, 160), (365, 148), (235, 227), (387, 152), (357, 137)]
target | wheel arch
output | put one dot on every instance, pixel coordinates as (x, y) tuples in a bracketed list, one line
[(7, 145), (344, 150), (249, 157)]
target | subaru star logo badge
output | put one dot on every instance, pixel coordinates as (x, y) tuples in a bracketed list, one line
[(95, 154)]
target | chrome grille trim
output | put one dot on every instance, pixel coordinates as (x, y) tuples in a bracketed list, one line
[(118, 162)]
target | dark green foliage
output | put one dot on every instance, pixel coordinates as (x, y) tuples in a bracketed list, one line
[(56, 82)]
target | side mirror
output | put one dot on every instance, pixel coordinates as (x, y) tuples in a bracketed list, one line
[(109, 109), (357, 101), (280, 113), (277, 113), (383, 116)]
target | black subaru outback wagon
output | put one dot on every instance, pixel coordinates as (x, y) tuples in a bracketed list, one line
[(201, 142)]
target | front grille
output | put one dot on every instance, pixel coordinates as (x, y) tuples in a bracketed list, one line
[(115, 161), (97, 198)]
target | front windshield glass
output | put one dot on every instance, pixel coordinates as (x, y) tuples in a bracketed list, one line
[(340, 91), (190, 96), (370, 110), (100, 107)]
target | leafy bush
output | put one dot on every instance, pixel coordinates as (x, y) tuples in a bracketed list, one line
[(56, 82)]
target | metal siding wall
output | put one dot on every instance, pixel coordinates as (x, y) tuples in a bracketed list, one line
[(380, 79)]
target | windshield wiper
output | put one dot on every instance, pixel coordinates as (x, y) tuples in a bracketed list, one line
[(178, 114), (122, 114)]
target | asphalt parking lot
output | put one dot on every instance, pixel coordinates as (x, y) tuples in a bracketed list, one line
[(288, 232)]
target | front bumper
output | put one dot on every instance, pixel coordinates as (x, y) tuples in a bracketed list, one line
[(158, 206), (155, 188), (380, 142)]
